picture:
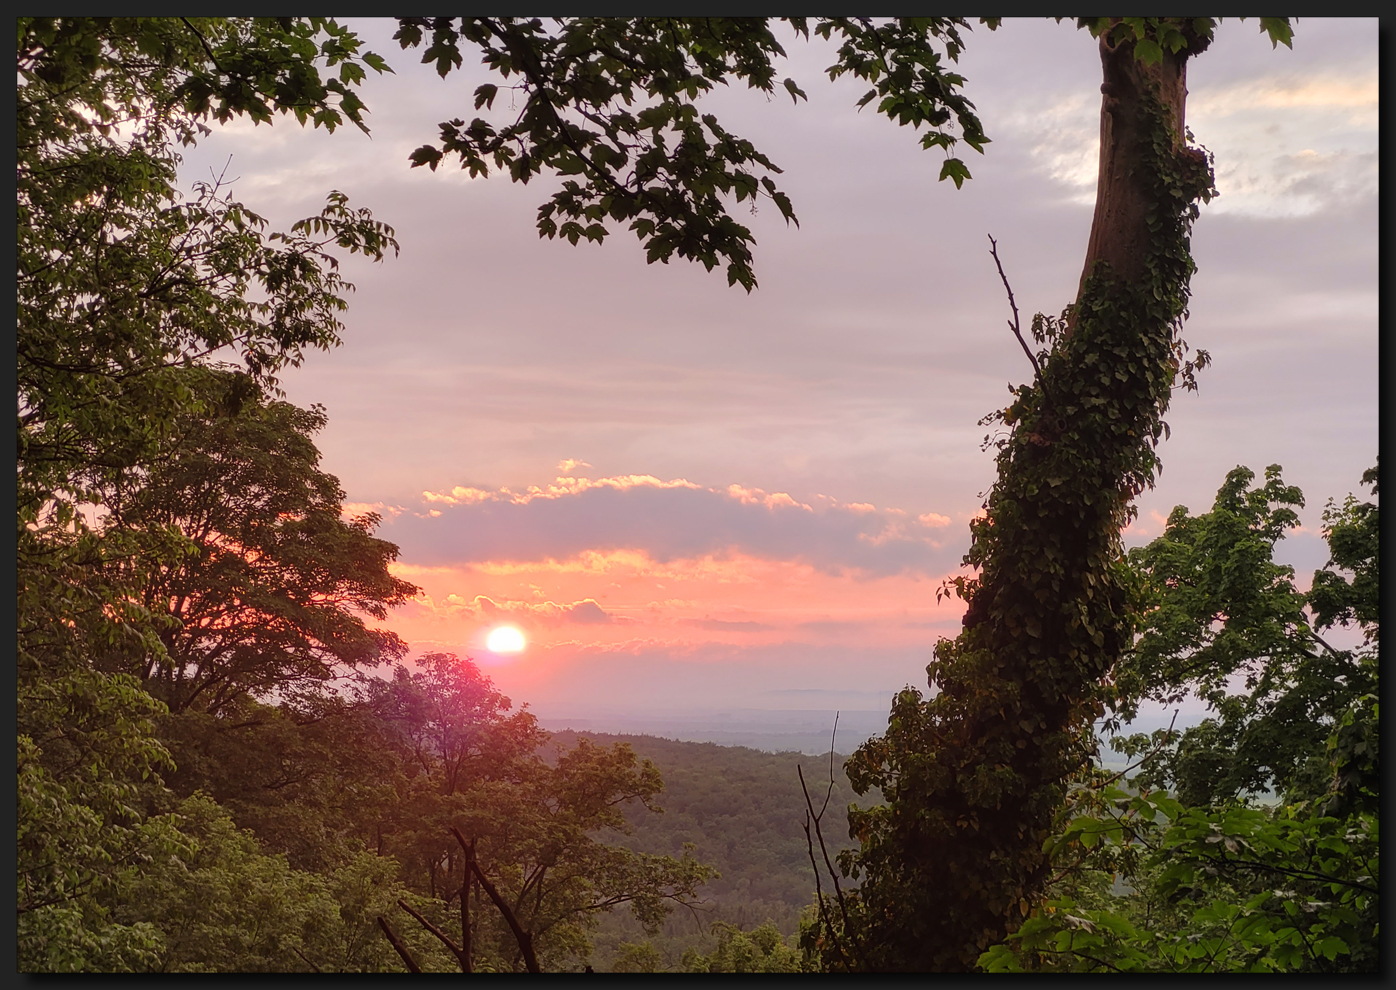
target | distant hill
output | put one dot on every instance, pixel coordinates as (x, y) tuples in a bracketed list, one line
[(744, 811), (772, 730)]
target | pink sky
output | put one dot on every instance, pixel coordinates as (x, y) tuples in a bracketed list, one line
[(688, 496)]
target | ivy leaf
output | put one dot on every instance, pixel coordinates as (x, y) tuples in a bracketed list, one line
[(1148, 51)]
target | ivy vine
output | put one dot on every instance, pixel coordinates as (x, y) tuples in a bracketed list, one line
[(974, 775)]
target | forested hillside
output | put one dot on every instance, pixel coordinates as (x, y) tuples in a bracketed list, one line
[(744, 812)]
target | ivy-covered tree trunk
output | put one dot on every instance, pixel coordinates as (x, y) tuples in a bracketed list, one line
[(974, 775)]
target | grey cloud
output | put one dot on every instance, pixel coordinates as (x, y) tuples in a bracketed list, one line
[(834, 625), (668, 524), (585, 612)]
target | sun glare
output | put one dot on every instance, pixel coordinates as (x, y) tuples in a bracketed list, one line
[(505, 639)]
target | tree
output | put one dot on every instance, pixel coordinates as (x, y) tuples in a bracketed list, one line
[(1352, 531), (761, 950), (1215, 881), (121, 286), (479, 803), (1215, 608), (273, 588)]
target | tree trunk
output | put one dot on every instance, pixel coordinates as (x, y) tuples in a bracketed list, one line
[(975, 776), (467, 958), (1120, 229)]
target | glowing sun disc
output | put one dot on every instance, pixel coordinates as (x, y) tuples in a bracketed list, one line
[(505, 639)]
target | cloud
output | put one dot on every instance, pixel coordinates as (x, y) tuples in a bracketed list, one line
[(352, 510), (723, 625), (1357, 95), (578, 518), (537, 614)]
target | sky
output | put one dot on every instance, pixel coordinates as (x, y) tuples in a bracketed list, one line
[(688, 497)]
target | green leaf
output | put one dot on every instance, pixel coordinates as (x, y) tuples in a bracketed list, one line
[(956, 170), (1148, 51), (1279, 31)]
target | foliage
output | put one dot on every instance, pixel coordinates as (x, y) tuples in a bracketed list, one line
[(609, 104), (226, 906), (1352, 531), (119, 283), (534, 826), (311, 779), (274, 586), (1222, 890), (761, 950), (1215, 883), (1216, 609), (637, 958), (79, 830)]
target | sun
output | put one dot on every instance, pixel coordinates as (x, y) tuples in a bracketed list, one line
[(505, 639)]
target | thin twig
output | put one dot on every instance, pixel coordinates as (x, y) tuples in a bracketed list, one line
[(1013, 324), (819, 887), (833, 736), (1168, 737), (824, 851)]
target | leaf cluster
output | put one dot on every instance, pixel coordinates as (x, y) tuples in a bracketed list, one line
[(609, 104), (1212, 881)]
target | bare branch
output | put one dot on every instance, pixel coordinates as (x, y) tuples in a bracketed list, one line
[(1014, 325), (819, 890), (306, 960), (824, 851), (1167, 738)]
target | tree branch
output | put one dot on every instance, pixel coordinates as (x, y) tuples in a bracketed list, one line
[(811, 817), (521, 935), (445, 939), (396, 944), (1013, 324)]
